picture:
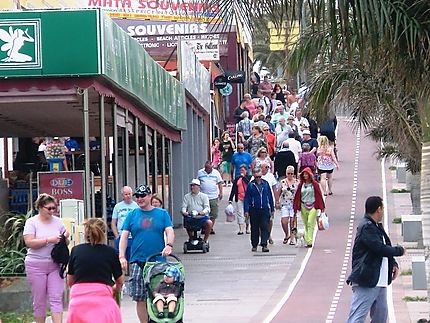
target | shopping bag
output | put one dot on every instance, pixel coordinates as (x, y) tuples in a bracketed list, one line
[(229, 212), (323, 223)]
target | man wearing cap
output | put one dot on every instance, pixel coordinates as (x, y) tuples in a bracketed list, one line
[(119, 214), (148, 225), (211, 184), (196, 205), (311, 141)]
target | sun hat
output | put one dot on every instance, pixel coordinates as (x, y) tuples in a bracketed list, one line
[(195, 181)]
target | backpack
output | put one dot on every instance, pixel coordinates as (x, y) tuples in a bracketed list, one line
[(307, 159), (60, 254)]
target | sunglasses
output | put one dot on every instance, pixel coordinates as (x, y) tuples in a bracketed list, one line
[(257, 177), (290, 173), (140, 195), (52, 208), (265, 129)]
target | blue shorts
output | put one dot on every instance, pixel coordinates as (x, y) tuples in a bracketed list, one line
[(193, 223), (128, 250)]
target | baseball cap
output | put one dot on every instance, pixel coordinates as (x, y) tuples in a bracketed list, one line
[(306, 132), (195, 181), (142, 190)]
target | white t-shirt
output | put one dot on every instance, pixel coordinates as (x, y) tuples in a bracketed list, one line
[(383, 272), (209, 182), (295, 146)]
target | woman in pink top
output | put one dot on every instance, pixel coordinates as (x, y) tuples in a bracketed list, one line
[(216, 154), (41, 233), (251, 105), (238, 190)]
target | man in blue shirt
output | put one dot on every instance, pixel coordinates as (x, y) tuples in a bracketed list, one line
[(119, 214), (148, 225), (258, 205), (240, 157)]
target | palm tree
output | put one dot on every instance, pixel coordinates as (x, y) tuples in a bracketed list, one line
[(373, 56)]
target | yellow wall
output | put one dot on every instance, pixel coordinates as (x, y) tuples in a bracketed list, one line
[(8, 4)]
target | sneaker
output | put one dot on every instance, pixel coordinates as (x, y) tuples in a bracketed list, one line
[(239, 233), (248, 232), (171, 315), (265, 249), (160, 315), (254, 249), (212, 232)]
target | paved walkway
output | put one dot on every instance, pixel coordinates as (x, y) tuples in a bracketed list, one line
[(232, 284)]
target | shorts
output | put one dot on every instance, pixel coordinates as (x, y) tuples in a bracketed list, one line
[(166, 300), (214, 208), (127, 250), (287, 210), (226, 167), (327, 171), (193, 223), (137, 290)]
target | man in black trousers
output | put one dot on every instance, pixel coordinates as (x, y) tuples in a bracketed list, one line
[(258, 205)]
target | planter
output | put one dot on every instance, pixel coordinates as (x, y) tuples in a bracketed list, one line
[(15, 294)]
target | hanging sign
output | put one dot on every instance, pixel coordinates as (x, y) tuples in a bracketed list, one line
[(235, 76), (220, 82), (226, 91)]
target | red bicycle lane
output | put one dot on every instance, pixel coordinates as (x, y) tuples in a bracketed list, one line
[(321, 294)]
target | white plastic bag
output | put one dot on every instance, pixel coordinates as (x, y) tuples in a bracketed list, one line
[(323, 223), (229, 212)]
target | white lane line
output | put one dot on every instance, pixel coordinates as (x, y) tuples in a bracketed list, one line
[(390, 303), (293, 284), (341, 282)]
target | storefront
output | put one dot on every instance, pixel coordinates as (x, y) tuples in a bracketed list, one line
[(77, 74)]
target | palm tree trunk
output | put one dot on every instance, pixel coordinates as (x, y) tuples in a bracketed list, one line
[(413, 183)]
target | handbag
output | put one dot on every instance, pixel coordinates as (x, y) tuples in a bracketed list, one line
[(323, 224), (60, 254)]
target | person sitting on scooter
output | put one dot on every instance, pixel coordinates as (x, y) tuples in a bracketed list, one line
[(196, 209)]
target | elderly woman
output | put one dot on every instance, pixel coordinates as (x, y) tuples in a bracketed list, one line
[(286, 192), (308, 200), (262, 158), (41, 233), (256, 141), (91, 268)]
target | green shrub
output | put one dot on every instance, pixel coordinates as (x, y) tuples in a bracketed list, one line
[(415, 299), (397, 220), (12, 247)]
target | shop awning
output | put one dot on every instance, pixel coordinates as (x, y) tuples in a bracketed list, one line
[(60, 51)]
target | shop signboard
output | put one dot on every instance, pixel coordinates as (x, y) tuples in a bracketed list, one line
[(205, 50), (160, 38), (62, 185), (235, 76), (189, 10), (38, 43), (195, 77)]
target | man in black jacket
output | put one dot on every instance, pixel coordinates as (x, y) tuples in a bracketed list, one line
[(373, 266)]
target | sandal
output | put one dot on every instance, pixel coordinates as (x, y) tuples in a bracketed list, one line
[(292, 242), (286, 240)]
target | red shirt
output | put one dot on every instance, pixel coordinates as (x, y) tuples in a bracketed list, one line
[(271, 143)]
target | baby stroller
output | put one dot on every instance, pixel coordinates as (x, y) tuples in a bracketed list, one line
[(154, 273), (194, 222)]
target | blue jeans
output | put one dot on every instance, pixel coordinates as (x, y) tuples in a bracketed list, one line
[(365, 299), (128, 250)]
